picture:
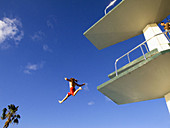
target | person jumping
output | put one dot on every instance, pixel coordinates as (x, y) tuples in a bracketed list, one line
[(167, 28), (73, 91)]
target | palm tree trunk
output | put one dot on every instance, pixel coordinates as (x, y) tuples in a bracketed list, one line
[(8, 121)]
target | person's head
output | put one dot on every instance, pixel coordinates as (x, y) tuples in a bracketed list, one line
[(162, 24), (73, 79)]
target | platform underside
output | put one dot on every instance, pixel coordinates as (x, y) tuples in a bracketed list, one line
[(147, 80), (127, 20)]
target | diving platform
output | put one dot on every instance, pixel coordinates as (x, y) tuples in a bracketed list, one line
[(126, 20), (140, 80), (147, 77)]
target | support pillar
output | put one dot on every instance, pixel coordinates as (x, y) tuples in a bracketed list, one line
[(160, 42), (167, 98)]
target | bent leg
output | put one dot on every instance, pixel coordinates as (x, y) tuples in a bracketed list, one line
[(64, 99), (77, 91)]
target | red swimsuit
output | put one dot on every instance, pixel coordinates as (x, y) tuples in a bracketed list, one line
[(72, 90)]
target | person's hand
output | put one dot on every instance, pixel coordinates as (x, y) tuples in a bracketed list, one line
[(65, 78), (83, 83)]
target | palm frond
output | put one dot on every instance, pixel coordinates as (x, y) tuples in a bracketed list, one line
[(3, 118), (13, 117), (16, 121), (18, 116), (4, 114), (9, 106), (4, 110), (12, 108), (10, 121)]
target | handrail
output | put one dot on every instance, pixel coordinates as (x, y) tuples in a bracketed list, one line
[(140, 45)]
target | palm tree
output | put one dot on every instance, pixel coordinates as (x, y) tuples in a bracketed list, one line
[(10, 115)]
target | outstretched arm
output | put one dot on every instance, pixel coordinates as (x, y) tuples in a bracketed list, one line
[(79, 85), (67, 79)]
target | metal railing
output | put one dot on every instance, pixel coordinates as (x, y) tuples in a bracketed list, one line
[(140, 45)]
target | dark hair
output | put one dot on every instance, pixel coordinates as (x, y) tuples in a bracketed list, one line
[(73, 79), (162, 22)]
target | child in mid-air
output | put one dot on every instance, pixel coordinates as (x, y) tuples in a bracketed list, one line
[(166, 27), (73, 91)]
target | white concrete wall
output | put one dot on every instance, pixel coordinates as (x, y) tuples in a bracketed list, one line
[(167, 98), (160, 42)]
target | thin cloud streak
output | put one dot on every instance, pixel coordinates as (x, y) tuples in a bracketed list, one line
[(46, 48), (38, 36), (29, 68), (51, 22), (91, 103)]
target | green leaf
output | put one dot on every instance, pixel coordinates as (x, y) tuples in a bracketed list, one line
[(4, 110), (18, 116), (3, 118), (4, 114), (16, 121)]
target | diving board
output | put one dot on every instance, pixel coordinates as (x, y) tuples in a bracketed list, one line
[(127, 20), (146, 80)]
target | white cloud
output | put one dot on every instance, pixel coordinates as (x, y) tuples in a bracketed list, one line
[(38, 36), (91, 103), (27, 71), (10, 30), (4, 46), (51, 22), (46, 48), (19, 37), (33, 67)]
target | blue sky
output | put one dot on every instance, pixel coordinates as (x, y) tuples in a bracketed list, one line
[(41, 43)]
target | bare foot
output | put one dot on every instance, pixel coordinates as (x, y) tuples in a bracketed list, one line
[(60, 101), (80, 88)]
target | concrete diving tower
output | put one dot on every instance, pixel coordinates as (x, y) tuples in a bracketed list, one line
[(147, 77)]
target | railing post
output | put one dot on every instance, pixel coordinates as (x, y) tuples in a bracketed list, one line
[(128, 58), (116, 67), (142, 52), (146, 47)]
